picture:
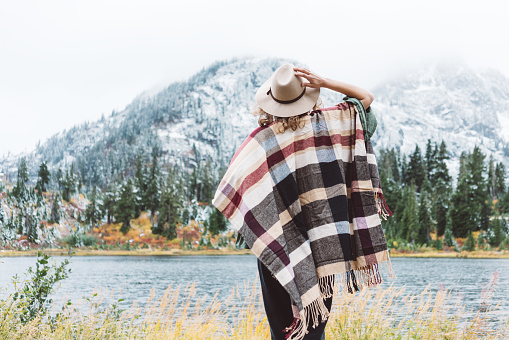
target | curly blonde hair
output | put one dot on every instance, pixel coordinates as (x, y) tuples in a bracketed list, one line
[(284, 123)]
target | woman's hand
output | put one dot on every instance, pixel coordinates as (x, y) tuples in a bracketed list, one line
[(313, 80)]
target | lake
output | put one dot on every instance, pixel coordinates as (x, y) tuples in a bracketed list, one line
[(136, 276)]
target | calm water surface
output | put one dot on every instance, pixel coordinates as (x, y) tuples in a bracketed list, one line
[(136, 276)]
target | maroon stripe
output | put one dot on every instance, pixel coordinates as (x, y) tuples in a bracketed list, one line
[(277, 249), (341, 106), (236, 196), (311, 142), (275, 158), (232, 206), (323, 141)]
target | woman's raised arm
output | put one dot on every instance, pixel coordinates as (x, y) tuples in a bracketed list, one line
[(315, 81)]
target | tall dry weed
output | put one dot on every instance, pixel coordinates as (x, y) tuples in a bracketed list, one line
[(180, 313)]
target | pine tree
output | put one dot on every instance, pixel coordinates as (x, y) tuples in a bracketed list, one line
[(470, 202), (140, 186), (23, 171), (20, 190), (388, 162), (469, 242), (497, 232), (217, 222), (80, 184), (125, 208), (462, 217), (441, 189), (481, 240), (194, 184), (169, 211), (409, 219), (441, 173), (207, 186), (425, 222), (485, 212), (2, 217), (404, 170), (479, 188), (69, 184), (43, 178), (448, 238), (153, 191), (430, 161), (491, 182), (66, 190), (55, 209), (108, 203), (393, 192), (500, 177), (30, 224), (59, 177), (92, 212), (415, 171)]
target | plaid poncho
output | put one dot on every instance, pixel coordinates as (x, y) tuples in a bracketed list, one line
[(307, 202)]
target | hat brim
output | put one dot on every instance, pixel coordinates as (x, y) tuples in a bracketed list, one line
[(269, 105)]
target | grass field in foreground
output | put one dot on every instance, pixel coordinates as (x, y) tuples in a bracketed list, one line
[(371, 314)]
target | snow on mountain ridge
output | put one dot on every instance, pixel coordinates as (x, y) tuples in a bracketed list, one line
[(211, 114), (462, 106)]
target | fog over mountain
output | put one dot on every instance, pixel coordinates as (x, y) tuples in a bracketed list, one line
[(462, 106), (207, 117)]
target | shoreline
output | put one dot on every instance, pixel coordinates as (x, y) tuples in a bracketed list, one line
[(137, 252), (225, 252), (477, 254)]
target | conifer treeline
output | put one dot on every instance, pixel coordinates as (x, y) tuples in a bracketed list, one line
[(419, 190), (26, 207), (170, 195)]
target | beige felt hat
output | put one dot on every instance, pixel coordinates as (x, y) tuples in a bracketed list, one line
[(282, 95)]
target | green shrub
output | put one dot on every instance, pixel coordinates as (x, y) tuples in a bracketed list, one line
[(438, 244), (31, 295), (88, 240), (504, 245), (481, 242), (497, 231), (469, 243), (79, 240), (448, 238)]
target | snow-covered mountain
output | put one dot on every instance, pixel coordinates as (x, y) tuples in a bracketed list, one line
[(462, 106), (207, 117)]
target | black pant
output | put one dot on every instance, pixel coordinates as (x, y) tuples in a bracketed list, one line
[(279, 308)]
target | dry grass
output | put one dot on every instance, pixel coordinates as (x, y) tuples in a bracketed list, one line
[(381, 313)]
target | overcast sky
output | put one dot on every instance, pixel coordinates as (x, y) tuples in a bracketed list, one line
[(64, 62)]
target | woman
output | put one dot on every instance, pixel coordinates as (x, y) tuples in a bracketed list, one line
[(303, 191)]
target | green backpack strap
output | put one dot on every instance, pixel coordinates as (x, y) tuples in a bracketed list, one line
[(368, 119)]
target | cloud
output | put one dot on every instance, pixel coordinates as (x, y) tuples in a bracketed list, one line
[(65, 62)]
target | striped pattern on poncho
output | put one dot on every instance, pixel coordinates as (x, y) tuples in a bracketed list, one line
[(307, 202)]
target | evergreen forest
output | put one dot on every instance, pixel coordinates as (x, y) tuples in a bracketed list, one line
[(430, 207)]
